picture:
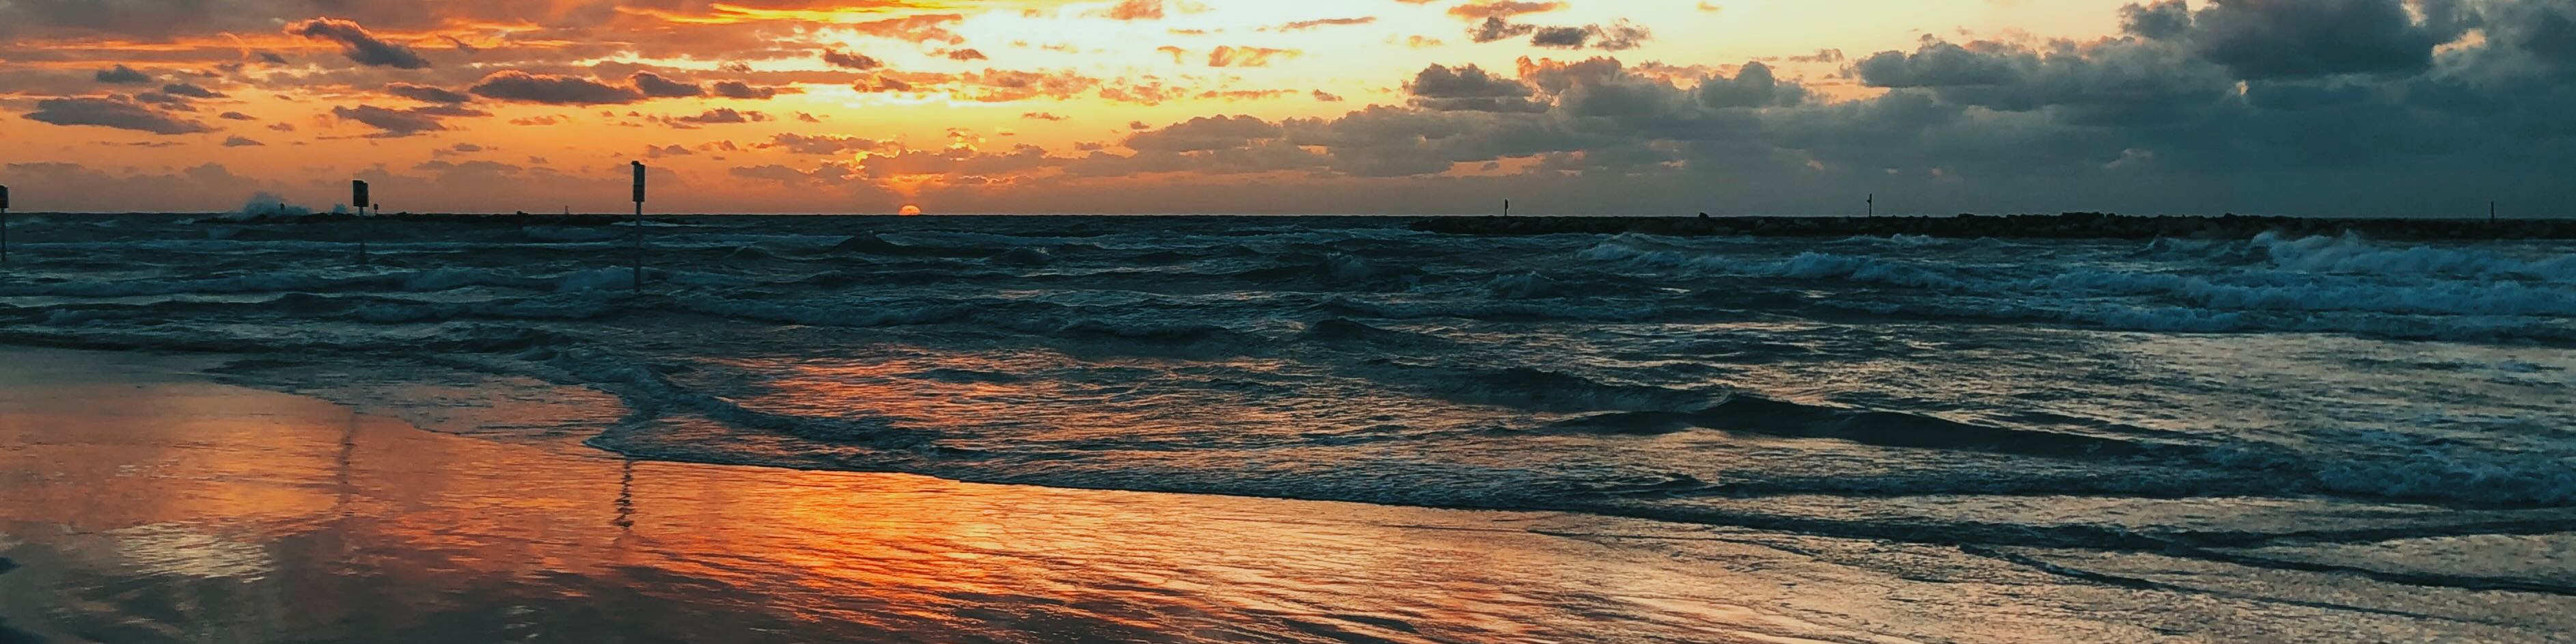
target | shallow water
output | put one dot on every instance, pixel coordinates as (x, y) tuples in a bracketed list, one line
[(146, 505), (2397, 412), (180, 511)]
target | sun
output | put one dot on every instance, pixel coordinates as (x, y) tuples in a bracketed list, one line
[(909, 210)]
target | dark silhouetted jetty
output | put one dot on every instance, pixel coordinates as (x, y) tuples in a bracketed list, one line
[(521, 219), (2063, 226)]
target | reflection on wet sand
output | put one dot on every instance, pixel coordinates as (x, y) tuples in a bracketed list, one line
[(189, 512), (139, 503)]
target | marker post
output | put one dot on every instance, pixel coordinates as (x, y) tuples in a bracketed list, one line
[(358, 197), (4, 224), (638, 223)]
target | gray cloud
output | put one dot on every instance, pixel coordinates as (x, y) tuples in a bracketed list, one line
[(549, 89), (358, 44), (427, 94), (123, 75), (723, 115), (655, 86), (2271, 39), (190, 91), (391, 123), (116, 112), (742, 90)]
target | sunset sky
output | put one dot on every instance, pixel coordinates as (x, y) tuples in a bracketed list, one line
[(1318, 106)]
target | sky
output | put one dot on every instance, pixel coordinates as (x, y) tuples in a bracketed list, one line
[(2305, 107)]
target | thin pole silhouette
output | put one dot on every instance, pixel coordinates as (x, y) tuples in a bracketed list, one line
[(638, 222), (4, 224), (1873, 204), (359, 197)]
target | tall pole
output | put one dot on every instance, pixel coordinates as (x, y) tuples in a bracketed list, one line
[(359, 197), (4, 224), (1507, 207), (1873, 204), (638, 223)]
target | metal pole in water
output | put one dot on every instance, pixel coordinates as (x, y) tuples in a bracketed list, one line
[(1873, 204), (358, 197), (638, 223)]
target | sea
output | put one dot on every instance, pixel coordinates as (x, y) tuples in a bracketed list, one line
[(2400, 411)]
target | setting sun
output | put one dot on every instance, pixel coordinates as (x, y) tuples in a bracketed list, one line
[(909, 211)]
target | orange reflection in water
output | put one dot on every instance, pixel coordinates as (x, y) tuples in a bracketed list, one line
[(187, 511)]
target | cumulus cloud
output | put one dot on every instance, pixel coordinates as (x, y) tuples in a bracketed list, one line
[(358, 44), (2271, 39), (190, 90), (725, 115), (115, 112), (427, 94), (742, 90), (1205, 133), (123, 75), (655, 86), (851, 60), (1470, 88), (391, 123), (550, 89)]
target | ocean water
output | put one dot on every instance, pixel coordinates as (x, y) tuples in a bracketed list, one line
[(2396, 411)]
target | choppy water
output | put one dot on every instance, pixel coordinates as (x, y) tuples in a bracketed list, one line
[(2285, 403)]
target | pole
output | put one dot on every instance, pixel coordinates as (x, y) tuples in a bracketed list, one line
[(639, 245), (360, 197), (1507, 207), (4, 224), (2491, 212), (638, 223), (1873, 204)]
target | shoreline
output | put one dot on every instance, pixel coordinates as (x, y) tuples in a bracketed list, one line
[(151, 502), (144, 469)]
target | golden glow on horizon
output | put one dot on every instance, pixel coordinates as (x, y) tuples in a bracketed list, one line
[(1071, 79)]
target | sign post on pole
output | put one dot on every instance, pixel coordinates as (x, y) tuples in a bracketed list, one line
[(638, 222), (358, 197), (4, 224)]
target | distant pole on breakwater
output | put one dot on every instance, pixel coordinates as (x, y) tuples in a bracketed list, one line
[(358, 197), (638, 223), (4, 224), (1873, 205), (1507, 207)]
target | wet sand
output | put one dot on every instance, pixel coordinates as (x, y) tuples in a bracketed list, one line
[(142, 502)]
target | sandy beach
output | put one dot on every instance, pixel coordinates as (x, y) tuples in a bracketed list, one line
[(147, 503)]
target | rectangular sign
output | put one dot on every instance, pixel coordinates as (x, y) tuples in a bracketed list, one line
[(639, 181), (4, 197), (358, 196)]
